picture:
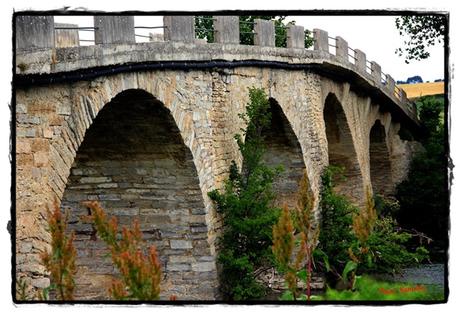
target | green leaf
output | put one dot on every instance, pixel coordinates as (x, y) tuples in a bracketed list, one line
[(287, 295), (302, 274), (349, 267), (303, 297), (320, 253)]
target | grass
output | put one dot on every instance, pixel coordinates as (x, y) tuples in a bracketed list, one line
[(369, 289)]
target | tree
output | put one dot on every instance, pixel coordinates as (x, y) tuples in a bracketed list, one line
[(205, 30), (423, 196), (423, 31), (246, 205), (414, 80)]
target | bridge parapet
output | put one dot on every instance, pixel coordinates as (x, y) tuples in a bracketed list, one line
[(39, 52)]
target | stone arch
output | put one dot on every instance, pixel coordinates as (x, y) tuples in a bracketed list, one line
[(186, 268), (283, 148), (341, 149), (134, 161), (379, 160)]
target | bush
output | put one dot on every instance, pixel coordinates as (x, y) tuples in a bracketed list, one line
[(284, 241), (388, 250), (348, 239), (140, 275), (60, 262), (246, 205), (336, 235)]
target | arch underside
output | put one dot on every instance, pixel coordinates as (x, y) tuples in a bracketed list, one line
[(379, 158), (134, 161), (341, 150), (283, 148)]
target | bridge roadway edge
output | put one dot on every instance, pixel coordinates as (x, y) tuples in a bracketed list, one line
[(66, 65)]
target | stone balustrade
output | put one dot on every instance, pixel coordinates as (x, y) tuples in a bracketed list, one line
[(40, 32)]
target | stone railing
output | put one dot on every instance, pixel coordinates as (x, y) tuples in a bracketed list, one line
[(35, 33)]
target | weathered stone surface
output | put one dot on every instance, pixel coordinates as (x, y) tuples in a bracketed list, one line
[(151, 145), (110, 29), (180, 244), (34, 32)]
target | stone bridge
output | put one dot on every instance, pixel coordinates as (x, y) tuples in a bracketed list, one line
[(147, 129)]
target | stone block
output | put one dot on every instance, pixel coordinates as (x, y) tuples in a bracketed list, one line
[(264, 33), (23, 146), (180, 244), (21, 108), (376, 72), (321, 40), (48, 133), (41, 283), (203, 266), (226, 29), (95, 180), (181, 259), (295, 37), (34, 32), (179, 28), (390, 85), (114, 29), (341, 50), (360, 60), (178, 267), (40, 159)]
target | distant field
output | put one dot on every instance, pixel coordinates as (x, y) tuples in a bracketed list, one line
[(423, 89)]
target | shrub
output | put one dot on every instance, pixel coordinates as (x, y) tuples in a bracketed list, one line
[(348, 238), (246, 205), (140, 275), (60, 262), (336, 235), (284, 241), (388, 250)]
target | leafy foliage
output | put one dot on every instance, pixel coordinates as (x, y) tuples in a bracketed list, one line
[(284, 241), (205, 30), (141, 275), (414, 79), (388, 249), (336, 234), (60, 262), (423, 31), (246, 205), (424, 193), (353, 242)]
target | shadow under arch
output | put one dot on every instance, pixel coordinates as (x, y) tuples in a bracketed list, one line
[(283, 148), (379, 161), (134, 161), (341, 150)]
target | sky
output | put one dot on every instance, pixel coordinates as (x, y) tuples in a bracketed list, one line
[(376, 36)]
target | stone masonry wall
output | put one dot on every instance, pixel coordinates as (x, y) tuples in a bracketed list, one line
[(341, 150), (133, 161), (53, 126), (283, 149), (380, 165)]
